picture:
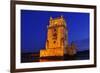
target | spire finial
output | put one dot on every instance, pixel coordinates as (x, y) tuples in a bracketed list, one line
[(50, 18), (61, 16)]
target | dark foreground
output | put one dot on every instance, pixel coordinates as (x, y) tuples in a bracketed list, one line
[(30, 57)]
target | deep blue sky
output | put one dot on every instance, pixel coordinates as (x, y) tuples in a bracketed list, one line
[(34, 28)]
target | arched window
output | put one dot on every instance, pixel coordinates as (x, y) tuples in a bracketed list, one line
[(62, 41), (47, 44)]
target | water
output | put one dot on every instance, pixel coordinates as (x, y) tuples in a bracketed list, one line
[(30, 57)]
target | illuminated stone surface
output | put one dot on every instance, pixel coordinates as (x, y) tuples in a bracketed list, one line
[(57, 39), (52, 52)]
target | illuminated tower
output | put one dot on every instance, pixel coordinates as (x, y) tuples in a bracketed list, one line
[(57, 38)]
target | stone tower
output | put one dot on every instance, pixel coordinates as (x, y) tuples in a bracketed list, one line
[(57, 38)]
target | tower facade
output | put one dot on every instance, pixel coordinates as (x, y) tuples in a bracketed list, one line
[(57, 33), (57, 38)]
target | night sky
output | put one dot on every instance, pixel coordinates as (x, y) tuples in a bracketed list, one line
[(34, 28)]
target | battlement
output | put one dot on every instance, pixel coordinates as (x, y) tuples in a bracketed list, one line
[(57, 21)]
